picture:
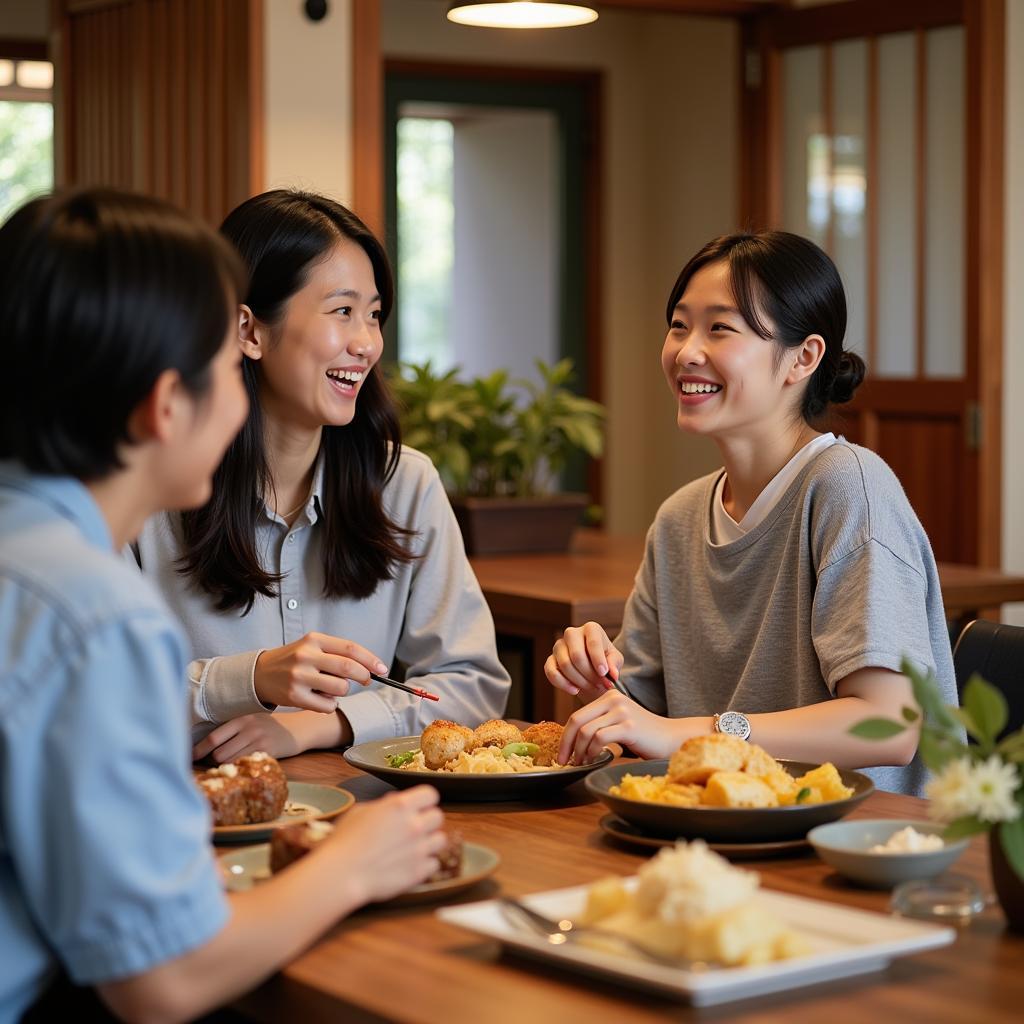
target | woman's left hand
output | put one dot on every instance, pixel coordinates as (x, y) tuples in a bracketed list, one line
[(280, 735), (614, 718)]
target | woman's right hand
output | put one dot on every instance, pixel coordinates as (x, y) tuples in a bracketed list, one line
[(391, 844), (310, 672), (584, 660)]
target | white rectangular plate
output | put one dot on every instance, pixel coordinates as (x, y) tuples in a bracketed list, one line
[(845, 942)]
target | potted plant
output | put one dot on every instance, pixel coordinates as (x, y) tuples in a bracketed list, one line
[(977, 787), (499, 446)]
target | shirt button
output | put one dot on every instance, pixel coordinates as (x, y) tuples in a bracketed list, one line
[(291, 538), (293, 604)]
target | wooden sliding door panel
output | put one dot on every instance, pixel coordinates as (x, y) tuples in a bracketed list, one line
[(922, 452), (876, 130), (163, 96)]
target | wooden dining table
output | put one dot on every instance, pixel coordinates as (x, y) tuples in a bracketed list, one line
[(533, 598), (405, 965)]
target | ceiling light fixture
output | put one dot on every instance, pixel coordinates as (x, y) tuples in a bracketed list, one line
[(520, 14)]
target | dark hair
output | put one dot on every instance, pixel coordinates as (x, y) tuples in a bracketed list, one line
[(281, 236), (101, 292), (790, 281)]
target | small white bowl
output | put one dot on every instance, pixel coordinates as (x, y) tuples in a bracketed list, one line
[(845, 845)]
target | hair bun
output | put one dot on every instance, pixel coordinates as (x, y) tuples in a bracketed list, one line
[(848, 378)]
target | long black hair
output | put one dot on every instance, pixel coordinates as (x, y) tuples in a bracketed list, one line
[(792, 282), (101, 291), (281, 235)]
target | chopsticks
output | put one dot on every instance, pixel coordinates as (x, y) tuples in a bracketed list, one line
[(401, 686)]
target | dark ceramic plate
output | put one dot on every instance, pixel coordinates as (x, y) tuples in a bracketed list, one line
[(373, 758), (626, 833), (724, 824)]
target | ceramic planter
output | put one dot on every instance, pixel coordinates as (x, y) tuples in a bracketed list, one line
[(501, 526)]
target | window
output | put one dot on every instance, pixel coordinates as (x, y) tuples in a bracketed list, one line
[(26, 131)]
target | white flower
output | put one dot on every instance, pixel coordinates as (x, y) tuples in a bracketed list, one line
[(984, 789), (995, 782), (950, 791)]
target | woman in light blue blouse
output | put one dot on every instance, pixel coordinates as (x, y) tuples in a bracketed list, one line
[(122, 390)]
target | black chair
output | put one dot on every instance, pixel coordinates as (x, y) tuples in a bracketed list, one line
[(996, 652)]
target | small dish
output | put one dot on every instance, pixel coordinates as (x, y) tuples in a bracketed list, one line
[(306, 801), (245, 868), (846, 845), (952, 899)]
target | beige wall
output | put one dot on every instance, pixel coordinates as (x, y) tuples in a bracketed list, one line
[(670, 183), (1013, 320), (308, 98)]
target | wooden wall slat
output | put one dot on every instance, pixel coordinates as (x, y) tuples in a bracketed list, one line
[(163, 96)]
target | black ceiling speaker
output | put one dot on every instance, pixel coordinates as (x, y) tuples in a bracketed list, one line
[(316, 10)]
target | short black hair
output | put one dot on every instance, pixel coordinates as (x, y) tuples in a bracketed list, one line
[(101, 291), (792, 282)]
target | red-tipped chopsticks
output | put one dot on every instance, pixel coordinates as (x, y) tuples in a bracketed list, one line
[(401, 686)]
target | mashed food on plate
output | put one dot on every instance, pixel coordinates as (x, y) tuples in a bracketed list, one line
[(725, 771), (495, 748), (691, 903)]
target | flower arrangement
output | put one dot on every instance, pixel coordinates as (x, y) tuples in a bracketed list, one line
[(976, 786)]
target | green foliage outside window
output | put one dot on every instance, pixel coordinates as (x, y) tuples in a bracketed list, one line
[(26, 153)]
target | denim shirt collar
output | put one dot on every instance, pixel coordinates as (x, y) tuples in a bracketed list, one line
[(66, 495)]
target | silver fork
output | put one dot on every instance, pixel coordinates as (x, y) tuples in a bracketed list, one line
[(565, 930)]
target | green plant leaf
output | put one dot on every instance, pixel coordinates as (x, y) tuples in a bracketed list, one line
[(987, 707), (1011, 835), (937, 749), (910, 714), (877, 729), (966, 719), (926, 693), (969, 825), (1012, 746)]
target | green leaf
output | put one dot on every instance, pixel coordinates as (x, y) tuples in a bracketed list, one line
[(876, 729), (937, 749), (910, 714), (969, 825), (966, 719), (1011, 835), (1012, 746), (987, 706), (926, 693), (803, 794)]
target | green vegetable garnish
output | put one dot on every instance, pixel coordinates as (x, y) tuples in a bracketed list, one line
[(522, 749), (803, 794), (397, 760)]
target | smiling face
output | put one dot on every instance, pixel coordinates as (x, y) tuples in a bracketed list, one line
[(723, 374), (325, 345)]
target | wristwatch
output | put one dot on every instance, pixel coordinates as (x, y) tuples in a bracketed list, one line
[(733, 723)]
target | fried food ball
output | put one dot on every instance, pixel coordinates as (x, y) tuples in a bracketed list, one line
[(442, 741), (227, 796), (547, 736), (494, 733), (701, 756)]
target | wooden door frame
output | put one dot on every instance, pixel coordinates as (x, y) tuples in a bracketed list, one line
[(762, 37)]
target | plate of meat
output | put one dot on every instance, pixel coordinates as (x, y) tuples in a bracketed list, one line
[(463, 865), (251, 796)]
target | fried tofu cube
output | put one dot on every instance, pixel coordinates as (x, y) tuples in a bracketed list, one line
[(736, 789), (701, 756), (825, 778)]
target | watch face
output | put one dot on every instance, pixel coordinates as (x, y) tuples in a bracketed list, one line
[(734, 724)]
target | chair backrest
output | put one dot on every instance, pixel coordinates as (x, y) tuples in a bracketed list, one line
[(995, 651)]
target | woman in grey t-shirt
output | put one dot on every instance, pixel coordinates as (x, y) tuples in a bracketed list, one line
[(786, 588)]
